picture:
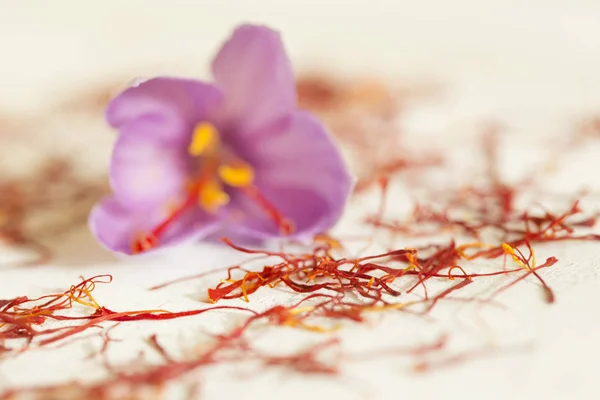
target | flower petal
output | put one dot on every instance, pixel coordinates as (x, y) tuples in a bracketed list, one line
[(301, 172), (165, 109), (150, 163), (256, 77), (145, 175), (115, 226)]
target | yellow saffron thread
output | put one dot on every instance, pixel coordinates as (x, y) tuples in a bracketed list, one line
[(511, 252)]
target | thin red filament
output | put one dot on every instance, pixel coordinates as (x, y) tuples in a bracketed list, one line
[(286, 226)]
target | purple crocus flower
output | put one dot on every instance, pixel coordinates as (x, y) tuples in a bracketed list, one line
[(236, 157)]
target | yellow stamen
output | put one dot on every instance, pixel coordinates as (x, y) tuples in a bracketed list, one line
[(204, 139), (212, 196), (236, 175)]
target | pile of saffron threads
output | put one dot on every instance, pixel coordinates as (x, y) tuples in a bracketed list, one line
[(334, 290), (50, 201)]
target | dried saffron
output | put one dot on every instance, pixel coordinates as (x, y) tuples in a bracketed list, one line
[(53, 189)]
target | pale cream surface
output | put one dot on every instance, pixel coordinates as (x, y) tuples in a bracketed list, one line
[(535, 66)]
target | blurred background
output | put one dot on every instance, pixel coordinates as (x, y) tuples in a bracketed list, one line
[(50, 49), (524, 60)]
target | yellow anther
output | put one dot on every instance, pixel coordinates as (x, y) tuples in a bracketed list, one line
[(236, 175), (204, 139), (212, 196)]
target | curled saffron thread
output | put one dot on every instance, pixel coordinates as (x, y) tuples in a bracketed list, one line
[(19, 315), (452, 277)]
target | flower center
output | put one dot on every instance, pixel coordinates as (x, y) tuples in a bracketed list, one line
[(218, 168)]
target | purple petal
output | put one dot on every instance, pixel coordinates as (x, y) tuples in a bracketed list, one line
[(256, 77), (145, 175), (149, 164), (301, 172), (116, 227), (164, 109)]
